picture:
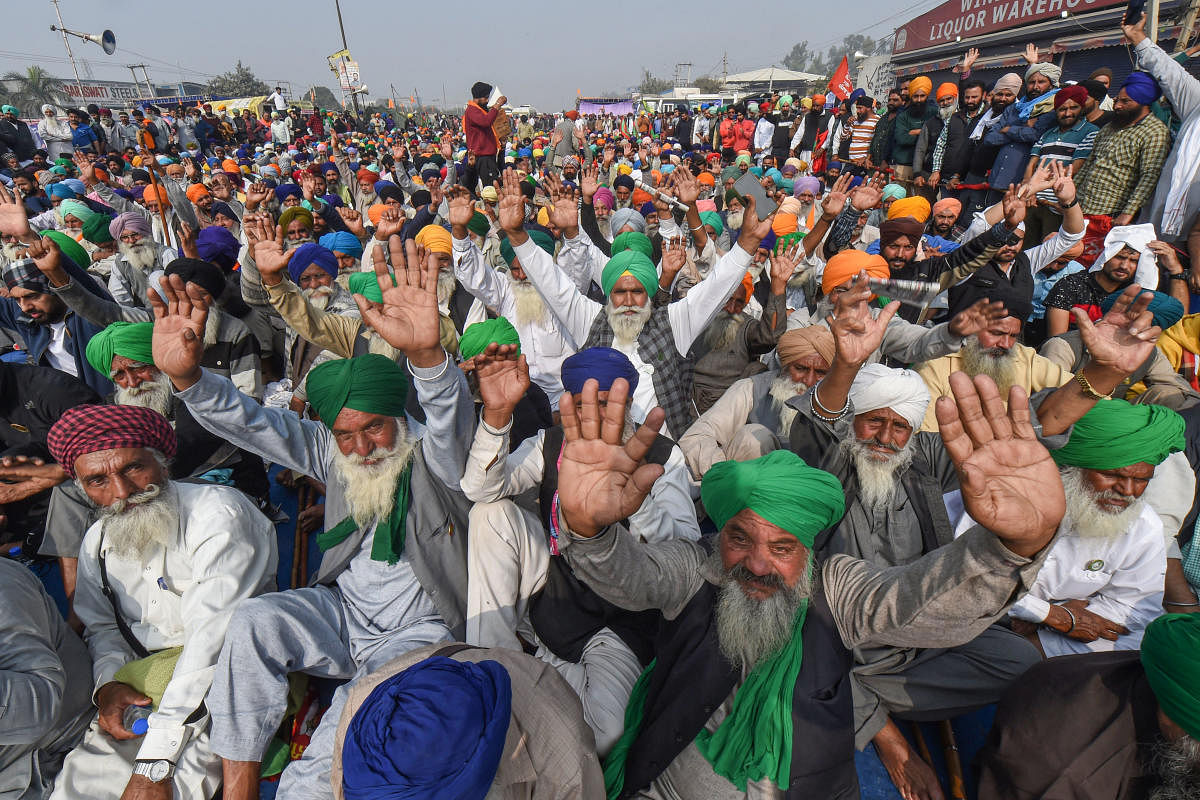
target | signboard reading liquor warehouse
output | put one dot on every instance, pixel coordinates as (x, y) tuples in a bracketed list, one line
[(976, 17)]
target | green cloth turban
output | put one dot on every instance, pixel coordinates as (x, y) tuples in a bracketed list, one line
[(540, 238), (632, 240), (631, 262), (479, 224), (782, 243), (95, 230), (70, 248), (1116, 434), (127, 339), (714, 219), (780, 488), (370, 383), (366, 284), (77, 209), (477, 337), (1171, 658)]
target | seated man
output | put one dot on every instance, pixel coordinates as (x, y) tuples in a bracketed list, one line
[(1103, 581), (393, 576), (1105, 726), (994, 351), (508, 726), (748, 695), (517, 585), (752, 418), (47, 686), (159, 576)]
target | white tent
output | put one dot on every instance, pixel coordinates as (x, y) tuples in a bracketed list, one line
[(773, 75)]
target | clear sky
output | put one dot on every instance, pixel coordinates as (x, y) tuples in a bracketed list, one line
[(539, 57)]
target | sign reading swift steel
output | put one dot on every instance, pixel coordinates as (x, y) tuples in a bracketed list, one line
[(966, 18)]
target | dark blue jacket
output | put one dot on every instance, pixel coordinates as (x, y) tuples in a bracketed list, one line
[(1015, 145)]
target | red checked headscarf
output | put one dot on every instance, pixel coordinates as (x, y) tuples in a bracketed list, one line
[(89, 429)]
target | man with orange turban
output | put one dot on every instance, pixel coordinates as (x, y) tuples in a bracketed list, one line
[(908, 126)]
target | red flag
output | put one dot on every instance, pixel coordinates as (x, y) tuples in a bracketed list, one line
[(840, 83)]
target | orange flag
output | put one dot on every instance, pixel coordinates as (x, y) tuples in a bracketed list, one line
[(840, 83)]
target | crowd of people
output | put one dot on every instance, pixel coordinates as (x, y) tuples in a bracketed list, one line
[(626, 482)]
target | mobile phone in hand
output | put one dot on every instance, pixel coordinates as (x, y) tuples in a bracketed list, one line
[(748, 186)]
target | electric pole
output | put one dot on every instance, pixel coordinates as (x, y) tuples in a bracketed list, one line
[(353, 95)]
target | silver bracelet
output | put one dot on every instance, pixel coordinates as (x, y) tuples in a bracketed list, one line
[(827, 414), (1067, 632)]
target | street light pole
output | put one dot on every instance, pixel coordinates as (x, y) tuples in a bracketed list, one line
[(353, 95), (67, 42)]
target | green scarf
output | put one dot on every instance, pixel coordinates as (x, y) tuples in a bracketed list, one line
[(389, 532)]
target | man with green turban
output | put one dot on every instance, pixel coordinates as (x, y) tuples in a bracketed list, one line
[(656, 337), (512, 296), (494, 331), (393, 574), (1103, 726), (1105, 581), (748, 693)]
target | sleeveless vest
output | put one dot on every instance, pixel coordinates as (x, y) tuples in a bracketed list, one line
[(672, 372), (566, 613), (691, 679)]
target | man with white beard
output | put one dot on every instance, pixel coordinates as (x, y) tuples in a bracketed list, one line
[(393, 575), (994, 351), (1103, 582), (748, 696), (544, 342), (752, 417), (656, 339), (138, 255), (159, 575), (860, 423)]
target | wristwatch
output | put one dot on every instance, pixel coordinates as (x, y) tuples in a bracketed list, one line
[(1178, 276), (156, 771)]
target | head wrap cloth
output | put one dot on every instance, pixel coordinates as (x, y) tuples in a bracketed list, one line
[(605, 364), (901, 390), (1116, 434), (630, 262), (847, 264), (814, 340), (477, 337), (312, 254), (370, 383), (1171, 658), (126, 339), (90, 429), (1137, 237)]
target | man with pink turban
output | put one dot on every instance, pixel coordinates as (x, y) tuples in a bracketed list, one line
[(138, 254)]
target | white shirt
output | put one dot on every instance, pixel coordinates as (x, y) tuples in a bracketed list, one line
[(493, 473), (764, 130), (279, 100), (1121, 578), (223, 551), (543, 342), (57, 354)]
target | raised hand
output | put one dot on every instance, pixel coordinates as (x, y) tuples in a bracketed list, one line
[(1031, 53), (969, 59), (308, 185), (754, 230), (674, 256), (856, 332), (1124, 338), (687, 188), (834, 202), (1010, 485), (48, 258), (256, 193), (510, 211), (869, 194), (187, 240), (353, 220), (503, 377), (977, 317), (86, 167), (601, 480), (391, 222), (1043, 178), (178, 341), (408, 317), (589, 181), (462, 208), (271, 260), (564, 214), (13, 219), (1064, 185), (1014, 208), (783, 267)]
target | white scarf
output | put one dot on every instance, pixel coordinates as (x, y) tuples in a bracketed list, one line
[(985, 122), (1187, 149)]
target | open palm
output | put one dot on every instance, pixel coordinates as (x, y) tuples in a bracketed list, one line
[(856, 332), (503, 376), (179, 321), (408, 317), (1125, 337), (510, 211)]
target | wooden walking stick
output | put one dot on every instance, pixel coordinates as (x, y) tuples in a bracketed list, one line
[(954, 768), (146, 140)]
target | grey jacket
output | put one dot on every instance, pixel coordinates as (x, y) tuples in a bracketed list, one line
[(436, 542)]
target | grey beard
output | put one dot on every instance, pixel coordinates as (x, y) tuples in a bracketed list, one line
[(1088, 519), (733, 220), (978, 360), (627, 327), (135, 526), (142, 255), (605, 229), (445, 287), (530, 307), (651, 230), (782, 390), (947, 113), (370, 489), (1177, 766), (750, 631), (11, 252), (722, 332), (292, 244), (877, 478), (319, 296), (155, 395)]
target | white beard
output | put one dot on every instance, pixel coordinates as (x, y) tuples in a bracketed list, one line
[(722, 332), (605, 229), (531, 308), (1177, 766), (876, 476), (978, 360), (138, 525), (784, 389), (371, 488), (1088, 519), (11, 252), (445, 287), (750, 631), (155, 395), (627, 326), (733, 220), (319, 296), (143, 255)]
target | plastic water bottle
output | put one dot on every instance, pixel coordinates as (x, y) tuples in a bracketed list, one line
[(135, 719)]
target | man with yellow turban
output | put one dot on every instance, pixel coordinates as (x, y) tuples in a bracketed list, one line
[(758, 626), (393, 574), (1096, 725)]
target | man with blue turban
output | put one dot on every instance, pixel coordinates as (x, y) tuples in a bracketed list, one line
[(393, 574), (518, 583)]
